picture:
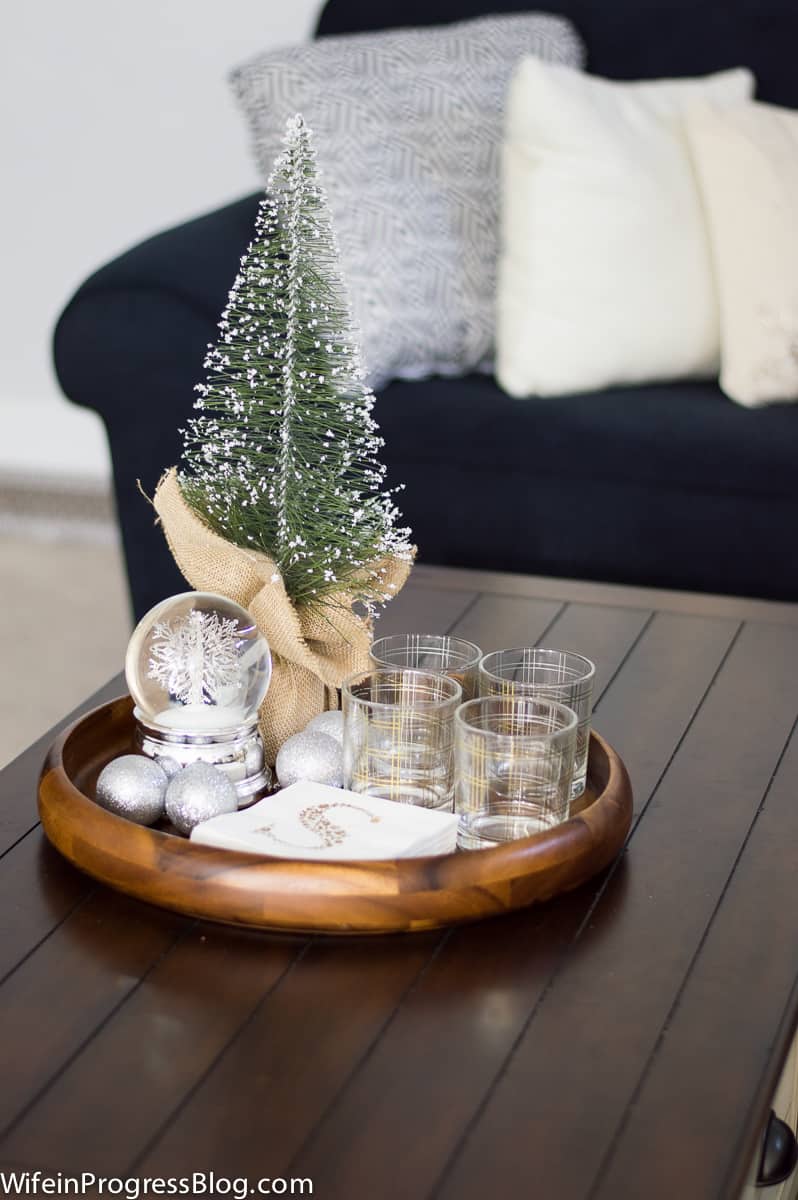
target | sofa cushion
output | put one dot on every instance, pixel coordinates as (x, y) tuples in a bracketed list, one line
[(693, 490)]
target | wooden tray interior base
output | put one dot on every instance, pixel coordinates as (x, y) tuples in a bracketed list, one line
[(332, 897)]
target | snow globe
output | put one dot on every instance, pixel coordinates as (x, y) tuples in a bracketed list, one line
[(198, 668)]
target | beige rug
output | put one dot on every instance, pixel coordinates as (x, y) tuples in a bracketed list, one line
[(64, 627)]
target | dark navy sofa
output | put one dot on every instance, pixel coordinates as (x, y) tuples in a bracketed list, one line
[(670, 485)]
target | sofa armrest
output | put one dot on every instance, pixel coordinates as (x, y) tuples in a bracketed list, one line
[(130, 345)]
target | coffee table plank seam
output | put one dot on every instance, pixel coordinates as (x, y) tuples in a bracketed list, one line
[(147, 942), (695, 959), (768, 1083), (173, 1140), (475, 599), (194, 925), (646, 625), (523, 621), (310, 1134), (20, 962), (636, 641), (640, 812), (431, 609), (457, 1149), (175, 1113), (20, 809), (599, 955), (78, 1050), (616, 595)]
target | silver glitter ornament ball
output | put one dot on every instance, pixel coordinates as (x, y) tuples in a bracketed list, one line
[(133, 787), (311, 755), (170, 766), (197, 793), (331, 723)]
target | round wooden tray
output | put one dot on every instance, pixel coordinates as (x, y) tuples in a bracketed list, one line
[(331, 897)]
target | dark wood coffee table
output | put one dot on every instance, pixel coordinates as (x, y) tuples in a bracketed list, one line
[(623, 1041)]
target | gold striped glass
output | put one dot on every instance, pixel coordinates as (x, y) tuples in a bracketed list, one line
[(514, 762), (435, 652), (399, 736), (552, 675)]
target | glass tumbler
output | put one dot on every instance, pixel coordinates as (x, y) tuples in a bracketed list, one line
[(552, 674), (514, 762), (439, 653), (399, 736)]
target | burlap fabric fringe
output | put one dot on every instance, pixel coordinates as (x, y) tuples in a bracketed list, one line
[(312, 652)]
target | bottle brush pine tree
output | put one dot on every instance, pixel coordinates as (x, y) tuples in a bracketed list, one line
[(284, 454)]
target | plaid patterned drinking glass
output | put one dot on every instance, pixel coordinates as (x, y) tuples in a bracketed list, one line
[(399, 736), (552, 674), (439, 653), (514, 761)]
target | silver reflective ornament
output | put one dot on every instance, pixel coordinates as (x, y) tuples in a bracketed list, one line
[(196, 794), (311, 755), (133, 787), (169, 765), (331, 723)]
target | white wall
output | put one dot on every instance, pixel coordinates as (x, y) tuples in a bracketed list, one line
[(116, 122)]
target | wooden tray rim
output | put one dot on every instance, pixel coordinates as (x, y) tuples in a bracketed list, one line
[(333, 896)]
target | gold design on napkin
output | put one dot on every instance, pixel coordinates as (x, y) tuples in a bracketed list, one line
[(315, 820)]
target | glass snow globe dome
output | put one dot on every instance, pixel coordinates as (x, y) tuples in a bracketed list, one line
[(197, 665)]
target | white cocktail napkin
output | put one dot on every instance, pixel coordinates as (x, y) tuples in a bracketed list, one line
[(311, 820)]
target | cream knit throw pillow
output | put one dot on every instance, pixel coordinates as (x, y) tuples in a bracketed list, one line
[(605, 273), (746, 157)]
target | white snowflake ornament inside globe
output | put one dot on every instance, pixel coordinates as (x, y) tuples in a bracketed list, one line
[(198, 669)]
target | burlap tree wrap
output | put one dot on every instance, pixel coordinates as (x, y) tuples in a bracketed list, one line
[(312, 651)]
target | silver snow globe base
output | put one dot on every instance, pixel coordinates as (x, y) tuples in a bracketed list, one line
[(238, 753), (198, 669)]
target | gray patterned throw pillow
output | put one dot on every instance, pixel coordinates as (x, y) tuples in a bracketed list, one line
[(408, 128)]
